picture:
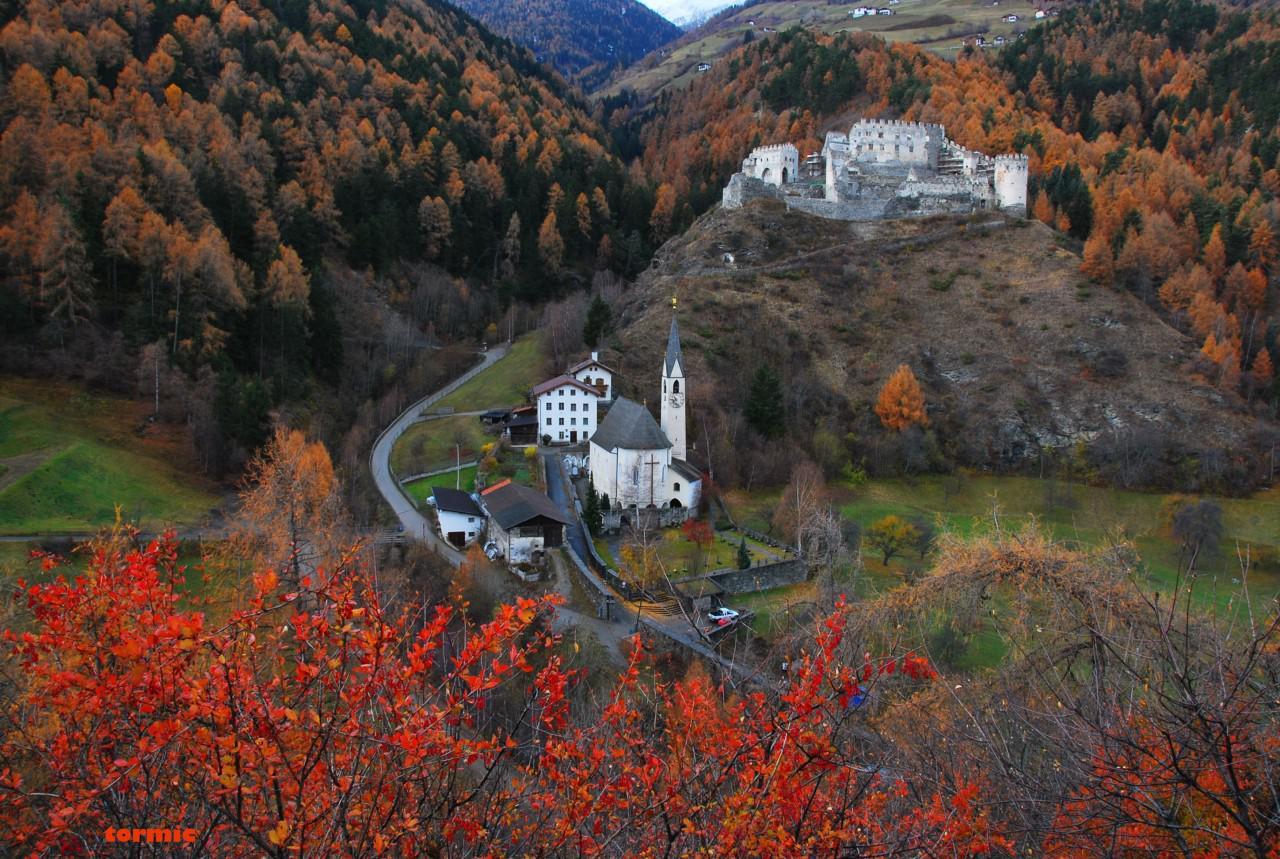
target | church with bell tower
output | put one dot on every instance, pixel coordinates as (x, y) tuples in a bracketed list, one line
[(639, 463)]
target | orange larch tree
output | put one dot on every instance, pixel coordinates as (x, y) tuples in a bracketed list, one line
[(901, 402)]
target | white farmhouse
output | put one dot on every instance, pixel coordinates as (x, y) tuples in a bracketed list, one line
[(566, 409), (458, 515), (593, 372), (636, 462)]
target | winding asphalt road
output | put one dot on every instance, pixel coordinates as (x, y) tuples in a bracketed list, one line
[(558, 491), (414, 523)]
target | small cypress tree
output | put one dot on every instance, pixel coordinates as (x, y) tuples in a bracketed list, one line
[(744, 555), (591, 513)]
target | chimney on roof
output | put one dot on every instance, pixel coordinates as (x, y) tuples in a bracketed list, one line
[(595, 356)]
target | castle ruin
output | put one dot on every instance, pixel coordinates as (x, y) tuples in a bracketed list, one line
[(883, 168)]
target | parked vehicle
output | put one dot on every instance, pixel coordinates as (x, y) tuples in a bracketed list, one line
[(723, 615)]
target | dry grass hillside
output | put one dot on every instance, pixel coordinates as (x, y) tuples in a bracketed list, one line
[(1016, 353)]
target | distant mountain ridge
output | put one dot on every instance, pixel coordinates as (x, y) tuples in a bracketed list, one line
[(586, 40)]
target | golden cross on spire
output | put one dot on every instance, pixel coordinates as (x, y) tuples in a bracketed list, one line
[(673, 302)]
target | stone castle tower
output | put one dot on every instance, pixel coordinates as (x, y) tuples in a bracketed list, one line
[(674, 391)]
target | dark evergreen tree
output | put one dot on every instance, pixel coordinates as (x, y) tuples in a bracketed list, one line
[(763, 410), (599, 322), (744, 555)]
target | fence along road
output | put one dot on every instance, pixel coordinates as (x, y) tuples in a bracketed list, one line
[(416, 525)]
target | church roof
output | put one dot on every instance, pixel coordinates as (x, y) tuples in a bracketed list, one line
[(673, 349), (630, 426), (685, 470)]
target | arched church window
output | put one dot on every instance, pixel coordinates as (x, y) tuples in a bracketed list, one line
[(675, 386), (677, 487)]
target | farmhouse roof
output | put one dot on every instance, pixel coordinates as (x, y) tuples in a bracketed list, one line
[(455, 501), (629, 425), (561, 381), (590, 362), (512, 505)]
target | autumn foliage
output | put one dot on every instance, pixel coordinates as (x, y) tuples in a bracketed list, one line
[(315, 722), (901, 402)]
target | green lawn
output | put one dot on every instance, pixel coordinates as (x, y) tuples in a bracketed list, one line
[(1089, 515), (420, 490), (429, 445), (72, 458), (506, 383), (772, 607)]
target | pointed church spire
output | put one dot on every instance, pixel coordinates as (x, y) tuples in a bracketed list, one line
[(673, 345)]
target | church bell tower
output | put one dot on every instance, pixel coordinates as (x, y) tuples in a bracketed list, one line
[(674, 390)]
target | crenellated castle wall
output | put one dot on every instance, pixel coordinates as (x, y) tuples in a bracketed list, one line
[(885, 168)]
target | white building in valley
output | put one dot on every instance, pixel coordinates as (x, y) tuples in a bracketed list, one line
[(640, 464), (458, 515), (567, 409)]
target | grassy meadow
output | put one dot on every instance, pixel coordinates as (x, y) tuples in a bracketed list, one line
[(70, 458), (504, 384)]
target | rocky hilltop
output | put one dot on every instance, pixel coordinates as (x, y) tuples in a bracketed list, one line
[(1018, 355)]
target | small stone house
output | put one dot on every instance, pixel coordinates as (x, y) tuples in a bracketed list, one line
[(523, 523)]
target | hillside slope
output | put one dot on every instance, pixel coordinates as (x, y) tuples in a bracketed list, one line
[(586, 40), (940, 25), (1017, 356)]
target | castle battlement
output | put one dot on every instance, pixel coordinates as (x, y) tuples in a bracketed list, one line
[(885, 168)]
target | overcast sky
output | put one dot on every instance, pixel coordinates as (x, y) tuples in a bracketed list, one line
[(677, 10)]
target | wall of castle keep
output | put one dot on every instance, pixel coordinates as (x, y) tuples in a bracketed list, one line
[(776, 165), (891, 140)]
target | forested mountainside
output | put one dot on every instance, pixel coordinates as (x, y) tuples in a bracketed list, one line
[(586, 40), (179, 177), (1151, 130)]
